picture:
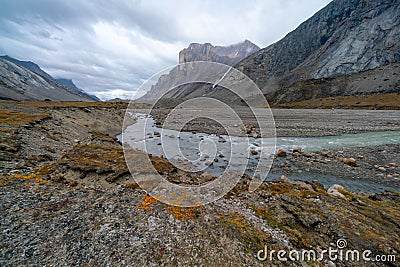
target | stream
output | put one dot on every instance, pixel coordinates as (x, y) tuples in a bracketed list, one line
[(214, 153)]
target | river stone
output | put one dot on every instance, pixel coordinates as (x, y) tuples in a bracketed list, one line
[(281, 153), (382, 169), (296, 154), (248, 128), (350, 161), (297, 149), (253, 152)]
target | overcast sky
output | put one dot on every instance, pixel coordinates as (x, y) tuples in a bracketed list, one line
[(110, 48)]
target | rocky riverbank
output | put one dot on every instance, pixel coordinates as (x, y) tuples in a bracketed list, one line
[(67, 199), (289, 122)]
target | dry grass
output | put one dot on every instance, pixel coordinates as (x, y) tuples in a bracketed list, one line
[(95, 157), (16, 118), (384, 101)]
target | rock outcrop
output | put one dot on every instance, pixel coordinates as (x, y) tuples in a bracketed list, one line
[(228, 55)]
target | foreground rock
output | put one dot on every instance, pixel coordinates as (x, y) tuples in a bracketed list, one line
[(49, 223)]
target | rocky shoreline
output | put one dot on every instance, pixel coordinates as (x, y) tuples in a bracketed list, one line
[(68, 199)]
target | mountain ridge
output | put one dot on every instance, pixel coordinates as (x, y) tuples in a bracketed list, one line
[(20, 83), (70, 83), (25, 80)]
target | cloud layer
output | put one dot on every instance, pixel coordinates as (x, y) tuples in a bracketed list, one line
[(110, 48)]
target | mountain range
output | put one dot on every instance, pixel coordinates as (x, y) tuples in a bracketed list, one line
[(350, 47), (25, 80)]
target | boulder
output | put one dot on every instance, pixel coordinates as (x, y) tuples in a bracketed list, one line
[(382, 169), (350, 161), (248, 128), (281, 153), (335, 189), (297, 149), (296, 154)]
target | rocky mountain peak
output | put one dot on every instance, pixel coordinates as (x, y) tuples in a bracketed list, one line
[(228, 55)]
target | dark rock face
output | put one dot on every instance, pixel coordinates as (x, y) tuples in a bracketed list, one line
[(345, 37), (20, 83), (25, 80), (228, 55)]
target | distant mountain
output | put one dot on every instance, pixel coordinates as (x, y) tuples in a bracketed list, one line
[(229, 55), (20, 83), (320, 57), (70, 84), (25, 80)]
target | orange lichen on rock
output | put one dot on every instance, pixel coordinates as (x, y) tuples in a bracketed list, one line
[(185, 213), (147, 202), (6, 179)]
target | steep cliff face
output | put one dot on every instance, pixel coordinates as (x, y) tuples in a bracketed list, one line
[(228, 55), (20, 83), (347, 36)]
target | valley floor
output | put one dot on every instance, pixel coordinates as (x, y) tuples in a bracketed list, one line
[(67, 197)]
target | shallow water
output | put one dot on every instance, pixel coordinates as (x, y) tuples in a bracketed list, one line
[(346, 140), (216, 154)]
